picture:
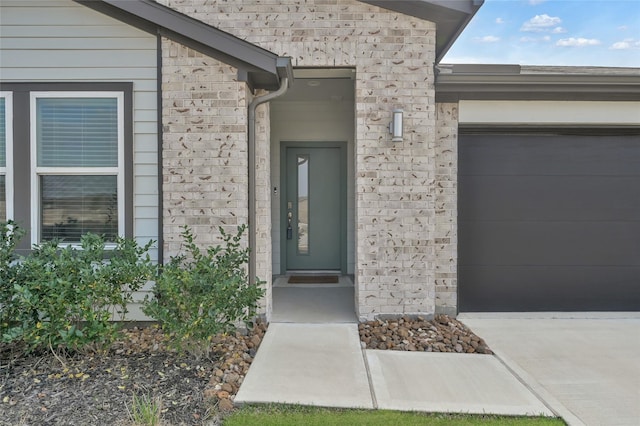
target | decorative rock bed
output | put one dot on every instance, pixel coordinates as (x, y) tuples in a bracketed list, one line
[(442, 334), (236, 354)]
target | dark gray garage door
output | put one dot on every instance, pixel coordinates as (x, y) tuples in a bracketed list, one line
[(549, 222)]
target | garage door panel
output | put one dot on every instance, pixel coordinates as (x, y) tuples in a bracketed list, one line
[(549, 288), (549, 222), (550, 243), (545, 155), (544, 198)]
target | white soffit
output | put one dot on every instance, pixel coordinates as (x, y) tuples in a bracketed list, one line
[(549, 112)]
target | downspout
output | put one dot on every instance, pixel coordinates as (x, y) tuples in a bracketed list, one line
[(257, 101), (160, 156)]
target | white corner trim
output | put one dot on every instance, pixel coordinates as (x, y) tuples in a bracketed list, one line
[(550, 112), (7, 170)]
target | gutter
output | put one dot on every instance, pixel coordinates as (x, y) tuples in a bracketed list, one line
[(513, 82), (257, 101)]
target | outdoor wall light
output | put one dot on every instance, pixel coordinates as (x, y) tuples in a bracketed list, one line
[(395, 127)]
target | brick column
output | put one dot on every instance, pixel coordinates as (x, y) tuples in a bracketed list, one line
[(446, 236)]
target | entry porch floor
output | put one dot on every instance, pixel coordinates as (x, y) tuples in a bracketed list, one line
[(313, 303)]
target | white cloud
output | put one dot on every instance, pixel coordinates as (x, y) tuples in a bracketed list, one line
[(540, 23), (499, 21), (558, 30), (535, 39), (487, 39), (625, 44), (621, 45), (577, 42)]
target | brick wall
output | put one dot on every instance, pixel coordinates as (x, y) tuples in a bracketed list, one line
[(396, 197), (446, 233), (204, 146)]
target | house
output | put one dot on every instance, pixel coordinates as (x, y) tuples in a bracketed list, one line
[(501, 188)]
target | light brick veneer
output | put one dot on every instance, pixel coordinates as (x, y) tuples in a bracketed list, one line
[(204, 146), (401, 224), (446, 233)]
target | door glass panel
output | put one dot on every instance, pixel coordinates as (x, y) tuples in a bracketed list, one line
[(303, 204)]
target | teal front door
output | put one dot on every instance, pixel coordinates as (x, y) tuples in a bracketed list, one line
[(314, 208)]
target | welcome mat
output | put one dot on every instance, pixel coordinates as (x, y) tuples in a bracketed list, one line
[(313, 279)]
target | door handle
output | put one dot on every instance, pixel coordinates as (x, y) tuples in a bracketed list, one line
[(289, 228)]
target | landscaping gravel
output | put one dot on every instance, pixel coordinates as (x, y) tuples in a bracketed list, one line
[(442, 334)]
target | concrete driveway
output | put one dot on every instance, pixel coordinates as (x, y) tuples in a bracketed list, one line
[(586, 367)]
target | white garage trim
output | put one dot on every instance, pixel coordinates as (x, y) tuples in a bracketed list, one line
[(549, 113)]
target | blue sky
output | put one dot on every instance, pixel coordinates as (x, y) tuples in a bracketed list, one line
[(552, 32)]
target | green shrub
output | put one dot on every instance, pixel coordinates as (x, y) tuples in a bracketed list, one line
[(10, 234), (203, 293), (66, 297)]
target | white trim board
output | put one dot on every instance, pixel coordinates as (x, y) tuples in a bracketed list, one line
[(7, 170), (550, 112)]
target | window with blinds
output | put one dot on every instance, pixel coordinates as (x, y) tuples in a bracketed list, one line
[(77, 132), (78, 145)]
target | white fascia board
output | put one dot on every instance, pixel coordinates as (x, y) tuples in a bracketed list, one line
[(549, 113)]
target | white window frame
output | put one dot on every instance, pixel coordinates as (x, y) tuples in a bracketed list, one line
[(7, 170), (36, 171)]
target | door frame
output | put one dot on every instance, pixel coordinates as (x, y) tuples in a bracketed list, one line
[(342, 146)]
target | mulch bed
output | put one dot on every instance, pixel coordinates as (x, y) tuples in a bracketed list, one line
[(98, 388)]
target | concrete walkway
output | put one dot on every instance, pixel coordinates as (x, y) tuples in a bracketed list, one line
[(585, 366), (324, 365), (582, 367), (309, 364)]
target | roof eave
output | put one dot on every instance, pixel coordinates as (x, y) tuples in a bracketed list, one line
[(450, 16), (261, 68), (507, 82)]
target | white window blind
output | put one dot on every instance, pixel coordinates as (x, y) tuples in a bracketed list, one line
[(75, 205), (77, 132)]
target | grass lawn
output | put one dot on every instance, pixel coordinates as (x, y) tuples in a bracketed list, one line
[(283, 415)]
